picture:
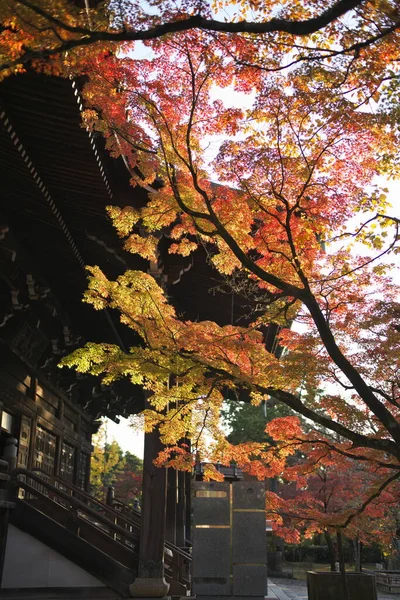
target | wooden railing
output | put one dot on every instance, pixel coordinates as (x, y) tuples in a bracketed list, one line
[(114, 532), (125, 509), (5, 506), (134, 514), (118, 516), (118, 539), (388, 581)]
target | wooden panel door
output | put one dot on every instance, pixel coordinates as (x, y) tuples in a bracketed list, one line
[(45, 451), (67, 462), (24, 440), (83, 471)]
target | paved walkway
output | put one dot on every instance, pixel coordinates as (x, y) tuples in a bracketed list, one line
[(287, 589), (295, 589)]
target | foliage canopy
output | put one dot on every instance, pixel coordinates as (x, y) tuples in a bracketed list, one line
[(269, 131)]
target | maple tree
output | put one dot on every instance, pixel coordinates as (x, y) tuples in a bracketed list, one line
[(128, 481), (331, 490), (293, 170), (36, 30), (318, 488), (297, 211)]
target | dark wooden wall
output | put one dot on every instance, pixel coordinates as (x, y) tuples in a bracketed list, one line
[(53, 433)]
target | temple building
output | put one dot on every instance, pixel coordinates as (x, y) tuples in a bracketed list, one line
[(56, 179)]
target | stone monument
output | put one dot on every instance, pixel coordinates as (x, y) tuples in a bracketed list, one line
[(229, 541)]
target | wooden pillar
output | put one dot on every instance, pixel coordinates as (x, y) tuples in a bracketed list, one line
[(5, 506), (188, 506), (58, 456), (59, 440), (4, 516), (77, 462), (32, 443), (171, 508), (181, 510), (3, 509), (34, 424), (87, 477), (150, 582)]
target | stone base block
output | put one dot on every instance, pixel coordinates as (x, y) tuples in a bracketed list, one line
[(329, 586), (149, 587), (198, 597), (162, 598)]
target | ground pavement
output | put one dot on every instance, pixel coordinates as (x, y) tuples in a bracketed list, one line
[(295, 589)]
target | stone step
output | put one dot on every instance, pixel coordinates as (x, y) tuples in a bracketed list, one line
[(72, 593)]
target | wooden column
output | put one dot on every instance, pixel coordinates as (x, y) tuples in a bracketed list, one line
[(171, 508), (5, 506), (32, 442), (4, 516), (188, 506), (150, 582), (77, 459), (58, 456), (181, 510), (60, 439), (34, 423)]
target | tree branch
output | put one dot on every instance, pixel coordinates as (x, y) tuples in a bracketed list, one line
[(88, 37)]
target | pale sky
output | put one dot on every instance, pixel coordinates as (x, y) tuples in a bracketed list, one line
[(127, 437)]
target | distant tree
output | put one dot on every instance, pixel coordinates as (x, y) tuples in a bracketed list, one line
[(110, 466), (247, 422), (105, 458), (128, 479), (334, 494)]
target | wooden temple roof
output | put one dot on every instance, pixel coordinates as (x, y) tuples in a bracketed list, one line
[(55, 186), (56, 180)]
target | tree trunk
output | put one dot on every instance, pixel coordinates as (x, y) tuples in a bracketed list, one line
[(331, 548), (358, 556), (342, 565)]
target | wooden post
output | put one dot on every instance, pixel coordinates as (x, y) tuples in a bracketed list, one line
[(188, 506), (171, 505), (58, 456), (4, 516), (77, 460), (150, 582), (32, 443), (10, 453), (34, 427), (5, 506), (181, 510), (110, 496)]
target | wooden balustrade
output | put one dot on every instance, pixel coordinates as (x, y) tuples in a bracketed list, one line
[(126, 519), (114, 531), (5, 506)]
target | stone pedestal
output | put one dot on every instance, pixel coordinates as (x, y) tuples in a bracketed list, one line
[(149, 587), (329, 586)]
